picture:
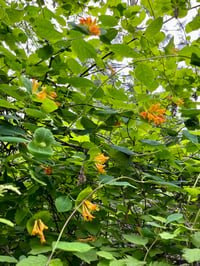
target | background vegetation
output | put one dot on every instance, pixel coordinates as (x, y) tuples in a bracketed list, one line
[(99, 133)]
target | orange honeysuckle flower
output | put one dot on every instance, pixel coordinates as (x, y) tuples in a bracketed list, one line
[(100, 158), (47, 169), (154, 107), (154, 114), (150, 117), (35, 86), (91, 206), (144, 114), (169, 97), (180, 102), (111, 69), (90, 25), (91, 238), (86, 213), (86, 207), (158, 120), (38, 229), (161, 111), (42, 95), (53, 94), (94, 30), (100, 168)]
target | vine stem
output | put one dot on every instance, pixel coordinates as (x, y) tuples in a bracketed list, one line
[(74, 211), (148, 249)]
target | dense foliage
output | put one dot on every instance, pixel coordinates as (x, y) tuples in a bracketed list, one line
[(99, 133)]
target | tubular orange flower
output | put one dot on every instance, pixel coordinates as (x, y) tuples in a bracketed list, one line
[(169, 97), (144, 114), (91, 206), (100, 158), (35, 86), (100, 168), (154, 107), (86, 207), (53, 94), (42, 95), (91, 238), (38, 229), (86, 214), (154, 114), (180, 102), (90, 25)]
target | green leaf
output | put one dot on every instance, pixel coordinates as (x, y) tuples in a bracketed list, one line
[(63, 204), (131, 261), (36, 179), (73, 246), (39, 250), (160, 263), (136, 239), (83, 49), (87, 256), (195, 60), (13, 139), (174, 217), (35, 113), (151, 142), (105, 254), (108, 20), (7, 222), (80, 82), (190, 136), (82, 195), (191, 255), (74, 66), (196, 239), (6, 104), (87, 123), (120, 183), (39, 260), (8, 259), (45, 52), (154, 28), (7, 129), (48, 105), (122, 149), (115, 263), (27, 84), (56, 262), (144, 74), (167, 235), (123, 50), (193, 25), (109, 36), (45, 29), (39, 152), (190, 112), (194, 192)]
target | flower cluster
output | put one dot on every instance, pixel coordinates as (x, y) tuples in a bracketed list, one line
[(38, 229), (88, 206), (43, 93), (91, 25), (100, 159), (154, 114), (178, 101)]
